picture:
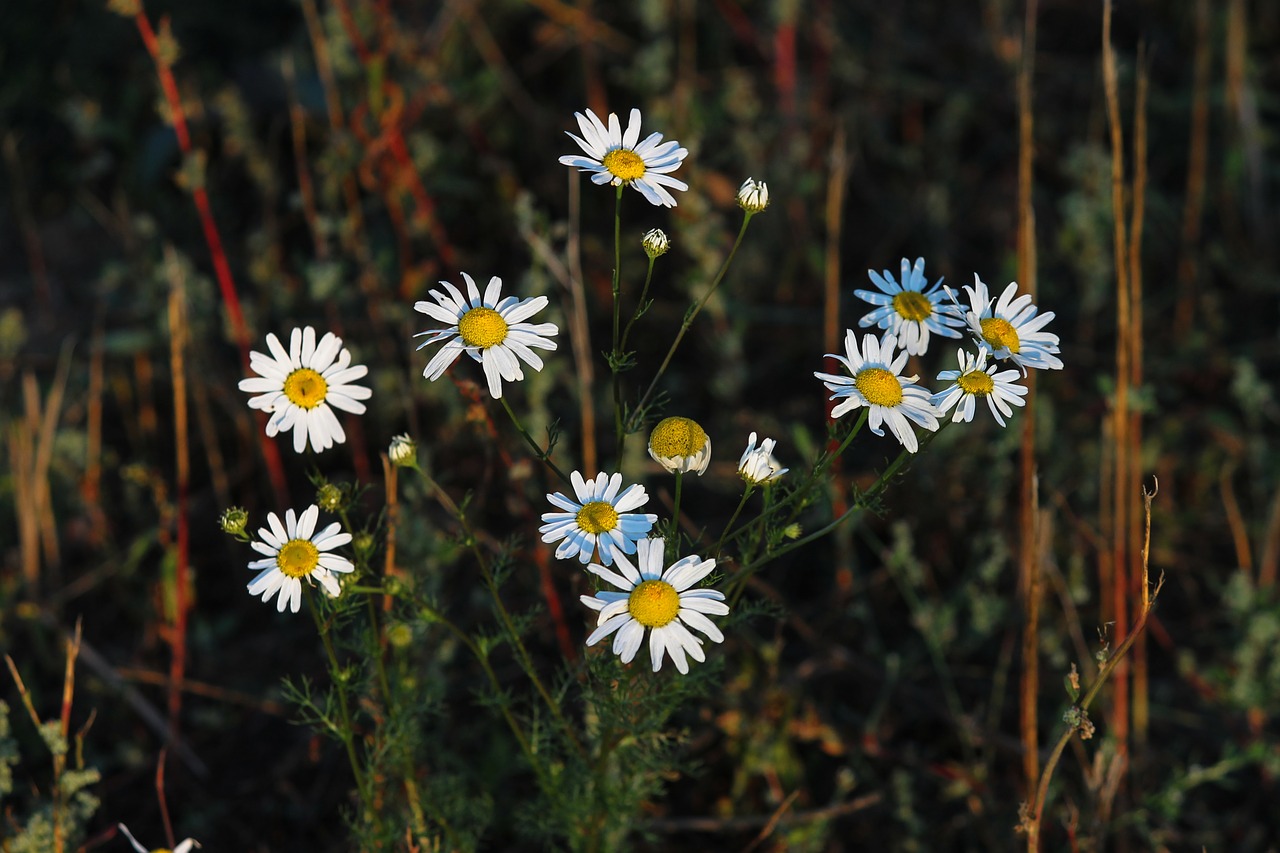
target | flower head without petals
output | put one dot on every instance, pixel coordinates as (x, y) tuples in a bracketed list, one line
[(293, 551), (299, 386), (600, 519), (875, 380), (910, 311), (661, 601), (619, 158), (490, 329)]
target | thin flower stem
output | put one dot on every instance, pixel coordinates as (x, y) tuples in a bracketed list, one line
[(375, 650), (742, 503), (692, 314), (674, 545), (522, 652), (619, 420), (347, 734), (483, 660), (543, 455), (616, 352)]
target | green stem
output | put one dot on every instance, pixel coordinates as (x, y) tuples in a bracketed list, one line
[(522, 652), (620, 424), (674, 545), (616, 352), (691, 315), (742, 503), (543, 455), (347, 734)]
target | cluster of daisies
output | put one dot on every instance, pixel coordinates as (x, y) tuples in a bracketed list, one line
[(909, 311), (601, 524)]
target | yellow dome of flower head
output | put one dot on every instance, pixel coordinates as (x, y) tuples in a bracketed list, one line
[(680, 445)]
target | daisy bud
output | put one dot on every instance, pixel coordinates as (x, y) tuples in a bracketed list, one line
[(400, 636), (680, 445), (757, 464), (234, 521), (656, 243), (403, 451), (753, 195), (330, 497), (792, 531)]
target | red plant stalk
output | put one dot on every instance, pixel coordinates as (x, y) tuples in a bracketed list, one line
[(222, 269)]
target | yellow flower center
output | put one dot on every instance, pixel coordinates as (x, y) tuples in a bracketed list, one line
[(878, 386), (677, 437), (654, 603), (976, 382), (1001, 334), (597, 517), (912, 305), (305, 388), (298, 558), (625, 164), (482, 327)]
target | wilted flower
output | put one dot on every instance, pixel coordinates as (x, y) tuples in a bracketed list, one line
[(680, 445)]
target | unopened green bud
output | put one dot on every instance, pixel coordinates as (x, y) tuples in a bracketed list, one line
[(792, 531), (234, 521), (330, 497), (400, 635), (363, 543)]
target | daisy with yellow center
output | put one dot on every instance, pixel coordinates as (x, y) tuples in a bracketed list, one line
[(619, 158), (1010, 327), (974, 380), (599, 520), (657, 600), (301, 387), (875, 381), (294, 551), (911, 310), (680, 445), (490, 329), (184, 846)]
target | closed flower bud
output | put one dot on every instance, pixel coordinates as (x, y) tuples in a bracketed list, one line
[(330, 497), (234, 521), (753, 195), (757, 464), (656, 243), (403, 451)]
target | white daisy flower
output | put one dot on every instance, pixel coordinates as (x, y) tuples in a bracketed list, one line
[(616, 158), (300, 386), (490, 330), (911, 310), (975, 379), (293, 553), (184, 846), (680, 445), (875, 381), (660, 601), (599, 520), (758, 464), (1010, 328), (403, 451)]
